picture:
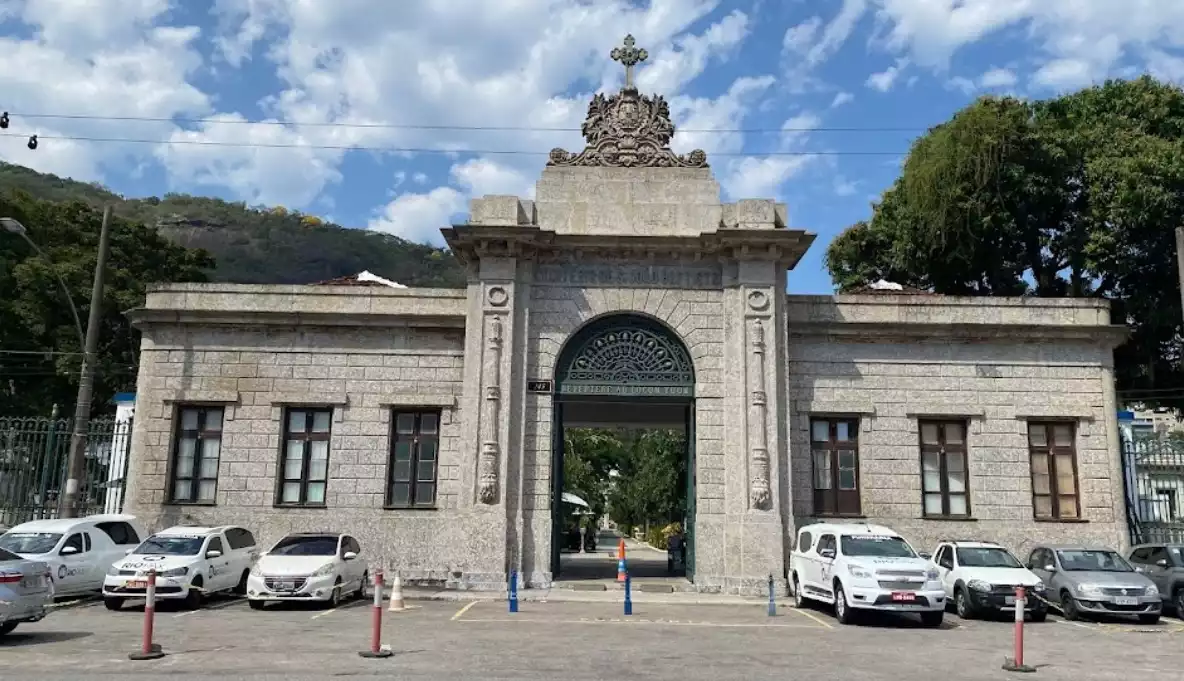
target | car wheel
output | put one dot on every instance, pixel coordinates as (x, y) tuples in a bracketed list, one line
[(113, 603), (7, 627), (361, 592), (962, 605), (256, 604), (842, 610), (1149, 619), (241, 589), (194, 597), (1178, 601), (799, 599), (335, 595), (1069, 607)]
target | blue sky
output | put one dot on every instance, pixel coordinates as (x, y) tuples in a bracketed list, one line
[(858, 77)]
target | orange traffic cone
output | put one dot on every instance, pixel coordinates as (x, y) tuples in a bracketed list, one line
[(621, 560)]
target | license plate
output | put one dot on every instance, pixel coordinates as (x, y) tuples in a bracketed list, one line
[(1009, 600), (1125, 600), (137, 584), (285, 586), (31, 582), (904, 596)]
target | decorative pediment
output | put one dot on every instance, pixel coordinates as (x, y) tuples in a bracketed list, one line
[(628, 129)]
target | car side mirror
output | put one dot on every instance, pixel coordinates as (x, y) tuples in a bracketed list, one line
[(350, 555), (128, 552), (213, 554), (1050, 568), (827, 553), (925, 555), (68, 550)]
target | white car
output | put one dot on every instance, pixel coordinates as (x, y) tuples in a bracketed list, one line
[(981, 577), (26, 591), (864, 567), (190, 562), (77, 550), (314, 566)]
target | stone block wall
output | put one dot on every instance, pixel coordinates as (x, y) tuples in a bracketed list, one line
[(991, 376), (363, 373)]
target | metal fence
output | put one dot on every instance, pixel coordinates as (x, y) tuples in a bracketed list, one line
[(1154, 482), (33, 456)]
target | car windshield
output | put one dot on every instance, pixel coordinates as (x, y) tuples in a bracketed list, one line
[(170, 545), (877, 546), (30, 542), (9, 555), (1093, 561), (988, 557), (305, 546), (1178, 553)]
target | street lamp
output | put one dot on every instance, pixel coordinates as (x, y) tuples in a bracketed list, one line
[(13, 226)]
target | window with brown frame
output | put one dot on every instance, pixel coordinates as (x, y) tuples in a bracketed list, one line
[(414, 463), (945, 490), (196, 451), (1054, 470), (304, 466), (834, 444)]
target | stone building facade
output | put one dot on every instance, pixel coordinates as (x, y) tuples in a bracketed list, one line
[(426, 422)]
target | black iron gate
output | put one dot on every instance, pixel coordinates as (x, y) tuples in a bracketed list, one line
[(1153, 472)]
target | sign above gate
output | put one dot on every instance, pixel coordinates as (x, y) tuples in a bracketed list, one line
[(650, 276)]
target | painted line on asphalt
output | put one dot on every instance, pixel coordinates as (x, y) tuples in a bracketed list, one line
[(211, 606), (84, 602), (347, 606), (641, 621), (460, 613), (812, 616), (1079, 624)]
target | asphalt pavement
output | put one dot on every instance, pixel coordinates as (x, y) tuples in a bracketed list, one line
[(571, 640)]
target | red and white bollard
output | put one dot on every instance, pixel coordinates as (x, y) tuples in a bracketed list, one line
[(148, 649), (376, 648), (1017, 664)]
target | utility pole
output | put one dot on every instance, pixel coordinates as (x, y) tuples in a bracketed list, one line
[(1180, 260), (76, 467)]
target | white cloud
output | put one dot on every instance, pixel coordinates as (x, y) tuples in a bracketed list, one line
[(844, 187), (1080, 41), (762, 177), (841, 99), (809, 44), (799, 38), (884, 80), (84, 58), (998, 78)]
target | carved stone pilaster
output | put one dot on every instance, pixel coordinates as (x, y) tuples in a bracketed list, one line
[(760, 495), (487, 469)]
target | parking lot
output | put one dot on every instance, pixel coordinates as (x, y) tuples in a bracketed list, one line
[(573, 640)]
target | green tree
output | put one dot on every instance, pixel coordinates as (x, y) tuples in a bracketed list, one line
[(1073, 196), (649, 487), (40, 352)]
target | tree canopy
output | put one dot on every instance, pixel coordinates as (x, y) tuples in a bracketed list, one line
[(40, 352), (1077, 195)]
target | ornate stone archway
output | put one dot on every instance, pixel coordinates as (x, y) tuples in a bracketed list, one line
[(632, 359), (625, 355)]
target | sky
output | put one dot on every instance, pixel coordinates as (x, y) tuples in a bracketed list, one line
[(364, 112)]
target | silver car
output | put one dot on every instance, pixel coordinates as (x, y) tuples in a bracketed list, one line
[(26, 591), (1090, 580)]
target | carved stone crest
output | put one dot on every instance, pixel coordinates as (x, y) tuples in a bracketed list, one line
[(628, 129)]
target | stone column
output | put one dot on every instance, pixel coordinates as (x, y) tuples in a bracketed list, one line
[(490, 455)]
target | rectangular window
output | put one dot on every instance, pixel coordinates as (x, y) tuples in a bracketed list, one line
[(414, 463), (1054, 470), (944, 489), (304, 470), (196, 449), (835, 452)]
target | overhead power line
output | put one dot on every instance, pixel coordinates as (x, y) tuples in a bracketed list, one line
[(405, 150), (437, 126)]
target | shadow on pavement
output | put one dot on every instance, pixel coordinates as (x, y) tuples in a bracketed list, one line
[(18, 639)]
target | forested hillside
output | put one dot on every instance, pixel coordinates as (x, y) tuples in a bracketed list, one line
[(256, 245)]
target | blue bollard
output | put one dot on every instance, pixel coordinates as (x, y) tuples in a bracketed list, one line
[(772, 599), (513, 591), (628, 595)]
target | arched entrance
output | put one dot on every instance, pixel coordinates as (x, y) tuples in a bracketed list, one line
[(624, 370)]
